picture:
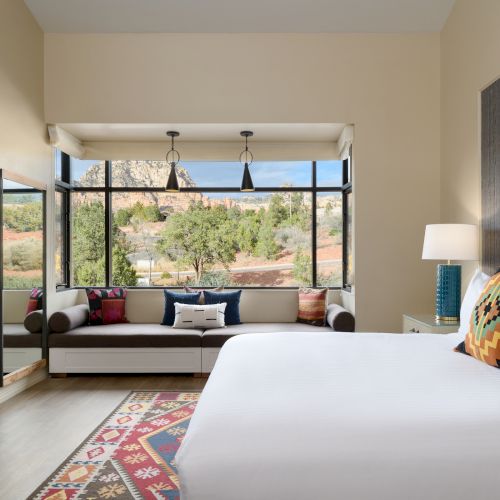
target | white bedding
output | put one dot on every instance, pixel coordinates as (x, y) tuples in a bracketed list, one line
[(338, 416)]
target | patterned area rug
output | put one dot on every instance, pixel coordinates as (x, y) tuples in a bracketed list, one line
[(130, 455)]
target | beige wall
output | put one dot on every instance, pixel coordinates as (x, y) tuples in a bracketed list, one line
[(386, 85), (470, 57), (24, 144)]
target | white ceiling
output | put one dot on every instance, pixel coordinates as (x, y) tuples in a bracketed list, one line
[(240, 16), (226, 132)]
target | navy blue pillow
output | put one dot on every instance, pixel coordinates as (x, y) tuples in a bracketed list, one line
[(171, 298), (233, 304)]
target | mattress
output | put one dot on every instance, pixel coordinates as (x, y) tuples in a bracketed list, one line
[(342, 416)]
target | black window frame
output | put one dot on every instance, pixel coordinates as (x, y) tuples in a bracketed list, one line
[(65, 185), (346, 191)]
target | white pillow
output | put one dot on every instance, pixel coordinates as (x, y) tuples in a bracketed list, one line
[(199, 316), (476, 286)]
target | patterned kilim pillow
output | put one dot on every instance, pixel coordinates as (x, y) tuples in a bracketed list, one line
[(312, 306), (35, 301), (483, 339), (107, 305)]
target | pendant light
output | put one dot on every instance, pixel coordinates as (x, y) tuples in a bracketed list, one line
[(246, 158), (173, 157)]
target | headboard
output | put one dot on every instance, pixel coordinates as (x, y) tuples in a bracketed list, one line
[(490, 177)]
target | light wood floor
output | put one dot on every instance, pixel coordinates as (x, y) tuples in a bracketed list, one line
[(40, 427)]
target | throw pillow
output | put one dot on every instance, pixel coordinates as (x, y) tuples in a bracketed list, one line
[(35, 301), (188, 289), (171, 298), (312, 306), (106, 305), (69, 318), (483, 338), (232, 300), (199, 316), (476, 286), (34, 321)]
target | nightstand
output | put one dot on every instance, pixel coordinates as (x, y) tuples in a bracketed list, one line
[(427, 323)]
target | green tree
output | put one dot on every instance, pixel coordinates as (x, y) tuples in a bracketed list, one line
[(23, 217), (123, 273), (199, 237), (146, 213), (122, 217), (277, 211), (89, 247), (302, 268), (267, 246), (248, 231)]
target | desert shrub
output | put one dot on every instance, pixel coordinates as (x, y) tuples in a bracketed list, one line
[(23, 255), (22, 282), (292, 237)]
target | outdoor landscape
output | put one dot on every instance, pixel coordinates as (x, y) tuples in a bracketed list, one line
[(206, 239), (22, 240)]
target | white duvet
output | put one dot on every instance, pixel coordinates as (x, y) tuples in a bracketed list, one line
[(339, 416)]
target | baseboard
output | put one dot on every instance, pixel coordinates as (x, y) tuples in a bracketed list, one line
[(22, 384)]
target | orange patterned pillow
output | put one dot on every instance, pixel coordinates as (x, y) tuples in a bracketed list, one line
[(483, 339), (312, 306)]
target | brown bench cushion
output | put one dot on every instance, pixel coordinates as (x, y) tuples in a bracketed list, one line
[(128, 335), (15, 335), (217, 336)]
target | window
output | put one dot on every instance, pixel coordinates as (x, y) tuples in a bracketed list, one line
[(348, 262), (88, 240), (329, 239), (347, 220), (128, 231), (22, 236), (61, 245), (62, 215)]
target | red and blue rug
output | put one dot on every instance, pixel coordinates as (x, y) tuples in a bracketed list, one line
[(130, 455)]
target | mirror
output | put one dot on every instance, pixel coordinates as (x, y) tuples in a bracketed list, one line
[(23, 290)]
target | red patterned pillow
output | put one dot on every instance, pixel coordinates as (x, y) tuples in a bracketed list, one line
[(312, 306), (107, 305), (35, 301)]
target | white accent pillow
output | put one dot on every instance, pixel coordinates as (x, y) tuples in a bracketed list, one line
[(199, 316), (476, 286)]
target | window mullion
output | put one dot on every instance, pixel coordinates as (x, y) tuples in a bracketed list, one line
[(314, 228), (108, 225)]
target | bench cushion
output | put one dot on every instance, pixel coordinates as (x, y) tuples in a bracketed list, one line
[(217, 336), (15, 335), (127, 335)]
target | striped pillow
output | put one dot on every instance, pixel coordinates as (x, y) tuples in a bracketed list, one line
[(312, 306)]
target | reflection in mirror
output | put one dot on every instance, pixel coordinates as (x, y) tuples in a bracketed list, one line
[(23, 275)]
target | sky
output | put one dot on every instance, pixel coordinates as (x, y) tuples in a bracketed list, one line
[(264, 174)]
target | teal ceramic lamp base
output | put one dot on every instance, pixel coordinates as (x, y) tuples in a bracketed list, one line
[(448, 292)]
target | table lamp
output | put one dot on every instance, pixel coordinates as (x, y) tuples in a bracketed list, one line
[(449, 242)]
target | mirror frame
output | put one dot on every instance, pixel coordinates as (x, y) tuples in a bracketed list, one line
[(25, 370)]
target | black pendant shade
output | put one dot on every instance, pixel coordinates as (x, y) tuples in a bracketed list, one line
[(173, 158), (172, 183), (247, 183), (246, 157)]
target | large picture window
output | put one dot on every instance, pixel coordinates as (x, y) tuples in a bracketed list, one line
[(126, 230)]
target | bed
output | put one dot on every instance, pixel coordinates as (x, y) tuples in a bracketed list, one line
[(342, 416)]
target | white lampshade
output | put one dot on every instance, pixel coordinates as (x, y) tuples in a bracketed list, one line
[(450, 242)]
